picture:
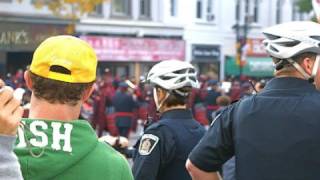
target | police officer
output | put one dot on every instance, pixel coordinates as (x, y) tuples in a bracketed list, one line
[(124, 107), (165, 145), (274, 134)]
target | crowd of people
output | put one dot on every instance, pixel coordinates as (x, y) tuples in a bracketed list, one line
[(118, 104), (255, 130)]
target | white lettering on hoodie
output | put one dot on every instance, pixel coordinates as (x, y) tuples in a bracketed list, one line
[(38, 128), (44, 138), (57, 137)]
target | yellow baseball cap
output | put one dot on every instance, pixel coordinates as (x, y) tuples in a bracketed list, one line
[(75, 60)]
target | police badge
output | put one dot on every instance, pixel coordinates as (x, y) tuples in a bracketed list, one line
[(147, 144)]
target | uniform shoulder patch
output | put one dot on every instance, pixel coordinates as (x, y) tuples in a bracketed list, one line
[(147, 144)]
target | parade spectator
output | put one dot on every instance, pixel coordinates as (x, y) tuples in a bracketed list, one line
[(246, 89), (124, 107), (213, 93), (235, 91), (260, 85), (54, 144), (103, 108), (196, 101)]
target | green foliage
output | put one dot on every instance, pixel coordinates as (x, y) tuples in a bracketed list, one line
[(71, 9), (304, 5)]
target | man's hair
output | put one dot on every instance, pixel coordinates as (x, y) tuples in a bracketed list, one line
[(55, 91), (287, 67), (175, 99), (223, 100)]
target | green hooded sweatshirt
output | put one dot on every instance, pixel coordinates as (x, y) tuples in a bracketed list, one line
[(67, 150)]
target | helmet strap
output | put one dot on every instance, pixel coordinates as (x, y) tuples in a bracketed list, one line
[(156, 100), (315, 67), (299, 69)]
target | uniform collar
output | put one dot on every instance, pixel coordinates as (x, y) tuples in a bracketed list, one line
[(284, 83), (177, 114)]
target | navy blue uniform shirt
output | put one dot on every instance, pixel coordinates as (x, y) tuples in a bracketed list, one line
[(165, 145), (274, 135), (123, 102)]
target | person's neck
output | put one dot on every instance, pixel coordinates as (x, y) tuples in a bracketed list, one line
[(41, 109), (164, 109), (294, 74)]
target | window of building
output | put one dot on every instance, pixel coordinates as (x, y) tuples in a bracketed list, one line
[(120, 7), (173, 7), (256, 11), (199, 9), (98, 11), (279, 11), (145, 9), (238, 11), (210, 15), (209, 7), (205, 10)]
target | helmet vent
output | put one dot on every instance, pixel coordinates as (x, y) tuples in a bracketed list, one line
[(192, 71), (180, 80), (272, 37), (315, 37), (182, 71), (165, 78), (274, 49), (192, 78), (289, 43)]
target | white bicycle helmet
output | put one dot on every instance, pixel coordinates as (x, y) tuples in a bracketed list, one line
[(287, 40), (173, 75)]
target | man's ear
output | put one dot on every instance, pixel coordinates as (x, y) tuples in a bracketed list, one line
[(28, 80), (87, 93), (307, 64)]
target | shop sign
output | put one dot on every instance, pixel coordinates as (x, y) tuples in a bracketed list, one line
[(26, 37), (206, 52), (255, 67), (255, 47), (260, 66), (136, 49)]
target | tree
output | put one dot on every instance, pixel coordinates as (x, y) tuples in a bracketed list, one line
[(71, 9), (305, 6)]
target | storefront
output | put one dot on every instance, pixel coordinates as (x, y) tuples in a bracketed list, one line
[(207, 59), (132, 57), (254, 67), (256, 61), (18, 41)]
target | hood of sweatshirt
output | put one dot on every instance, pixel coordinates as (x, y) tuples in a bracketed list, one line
[(47, 148)]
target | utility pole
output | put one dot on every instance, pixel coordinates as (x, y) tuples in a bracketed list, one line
[(238, 38), (241, 33)]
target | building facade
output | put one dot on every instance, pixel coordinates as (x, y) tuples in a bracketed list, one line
[(129, 36), (22, 28)]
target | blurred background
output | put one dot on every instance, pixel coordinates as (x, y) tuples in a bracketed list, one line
[(222, 38)]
